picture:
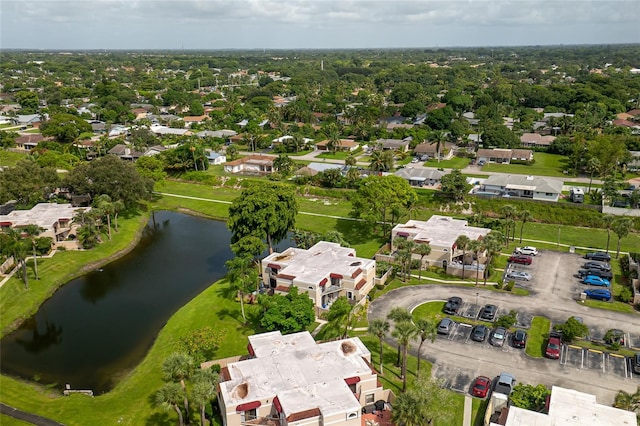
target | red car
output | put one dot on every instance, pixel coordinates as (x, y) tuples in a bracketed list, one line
[(521, 258), (553, 347), (481, 386)]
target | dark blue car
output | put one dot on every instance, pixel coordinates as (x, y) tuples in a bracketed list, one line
[(598, 294)]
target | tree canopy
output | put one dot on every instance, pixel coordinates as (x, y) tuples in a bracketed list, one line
[(290, 313), (66, 128)]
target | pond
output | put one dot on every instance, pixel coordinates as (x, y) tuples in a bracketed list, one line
[(99, 326)]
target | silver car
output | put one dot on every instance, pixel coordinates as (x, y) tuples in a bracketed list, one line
[(519, 275), (498, 336), (445, 326)]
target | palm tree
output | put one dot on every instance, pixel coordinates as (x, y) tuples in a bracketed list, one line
[(404, 255), (438, 138), (404, 332), (379, 328), (621, 226), (427, 329), (32, 232), (423, 249), (168, 397), (462, 243), (476, 247), (117, 206), (509, 212), (593, 166), (103, 204), (607, 221), (16, 247), (627, 401), (492, 243), (177, 368), (243, 276), (204, 390), (525, 216), (398, 315), (350, 160)]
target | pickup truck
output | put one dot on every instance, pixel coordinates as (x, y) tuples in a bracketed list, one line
[(504, 384)]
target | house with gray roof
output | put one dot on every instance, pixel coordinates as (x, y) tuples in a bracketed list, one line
[(420, 176), (522, 186), (394, 144), (222, 134)]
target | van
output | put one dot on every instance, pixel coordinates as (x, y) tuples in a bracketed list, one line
[(577, 195)]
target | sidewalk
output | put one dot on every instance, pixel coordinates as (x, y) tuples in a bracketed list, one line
[(27, 417)]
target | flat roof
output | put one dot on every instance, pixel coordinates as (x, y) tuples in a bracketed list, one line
[(571, 407), (43, 214), (440, 230), (302, 374), (312, 265)]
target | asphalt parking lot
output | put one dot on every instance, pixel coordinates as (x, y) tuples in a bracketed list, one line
[(576, 358)]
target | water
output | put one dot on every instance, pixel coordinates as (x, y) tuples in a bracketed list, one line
[(99, 326)]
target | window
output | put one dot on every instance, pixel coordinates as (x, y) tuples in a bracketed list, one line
[(249, 415), (349, 295), (369, 398)]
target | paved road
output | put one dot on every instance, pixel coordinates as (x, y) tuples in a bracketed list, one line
[(552, 295), (27, 417)]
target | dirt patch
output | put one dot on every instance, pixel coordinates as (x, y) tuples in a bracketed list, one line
[(241, 391), (348, 348)]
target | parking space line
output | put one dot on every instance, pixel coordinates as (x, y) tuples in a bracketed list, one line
[(595, 351), (616, 355), (604, 369), (574, 347), (563, 354)]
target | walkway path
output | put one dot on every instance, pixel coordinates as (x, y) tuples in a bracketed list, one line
[(468, 410), (27, 417)]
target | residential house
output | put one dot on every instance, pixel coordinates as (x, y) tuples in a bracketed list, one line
[(565, 407), (251, 164), (163, 130), (29, 141), (216, 158), (345, 145), (447, 150), (283, 139), (56, 220), (522, 186), (441, 233), (634, 164), (536, 140), (292, 380), (420, 176), (324, 272), (125, 152), (97, 126), (323, 167), (118, 130), (504, 155), (28, 120), (154, 150), (197, 119), (220, 134), (471, 118), (401, 145)]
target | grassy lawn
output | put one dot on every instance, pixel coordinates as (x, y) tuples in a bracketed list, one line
[(455, 163), (538, 333), (10, 158), (545, 165), (338, 155), (612, 306), (10, 421), (300, 153)]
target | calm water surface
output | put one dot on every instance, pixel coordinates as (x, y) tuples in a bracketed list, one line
[(101, 325)]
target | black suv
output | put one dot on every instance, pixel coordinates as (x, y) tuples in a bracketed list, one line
[(635, 362), (607, 275), (488, 313), (598, 255), (452, 305)]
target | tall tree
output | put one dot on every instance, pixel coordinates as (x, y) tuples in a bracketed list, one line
[(169, 396), (204, 390), (379, 328), (177, 368), (621, 226), (454, 185), (627, 401), (438, 138), (425, 403), (398, 315), (404, 332), (104, 205), (525, 216), (427, 330), (14, 245), (422, 249), (32, 232), (593, 167), (290, 313), (243, 278), (607, 222), (462, 243), (265, 209), (476, 247), (492, 243), (509, 212)]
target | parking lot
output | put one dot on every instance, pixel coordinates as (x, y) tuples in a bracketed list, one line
[(575, 357)]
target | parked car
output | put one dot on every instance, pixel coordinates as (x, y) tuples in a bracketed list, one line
[(481, 163), (453, 305), (479, 333), (521, 259), (614, 336), (528, 250), (424, 158), (635, 363), (498, 336), (519, 275), (505, 384), (598, 255), (598, 294), (553, 346), (481, 386), (607, 275), (488, 312), (593, 280), (415, 160), (445, 326), (519, 339), (594, 264)]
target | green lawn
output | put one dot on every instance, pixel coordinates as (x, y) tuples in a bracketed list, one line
[(544, 165), (538, 333), (455, 163), (10, 158), (338, 155)]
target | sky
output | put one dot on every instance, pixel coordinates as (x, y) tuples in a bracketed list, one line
[(313, 24)]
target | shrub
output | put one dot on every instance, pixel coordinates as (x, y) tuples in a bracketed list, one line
[(509, 285), (626, 295), (507, 321)]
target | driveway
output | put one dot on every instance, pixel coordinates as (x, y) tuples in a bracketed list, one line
[(458, 359)]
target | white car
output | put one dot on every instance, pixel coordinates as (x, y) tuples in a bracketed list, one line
[(519, 275), (528, 250)]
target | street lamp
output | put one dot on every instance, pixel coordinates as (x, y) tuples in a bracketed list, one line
[(477, 295)]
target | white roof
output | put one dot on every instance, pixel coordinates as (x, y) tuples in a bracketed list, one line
[(440, 231), (43, 214), (302, 374), (572, 408)]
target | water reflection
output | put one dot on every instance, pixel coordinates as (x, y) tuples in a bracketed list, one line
[(38, 341)]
